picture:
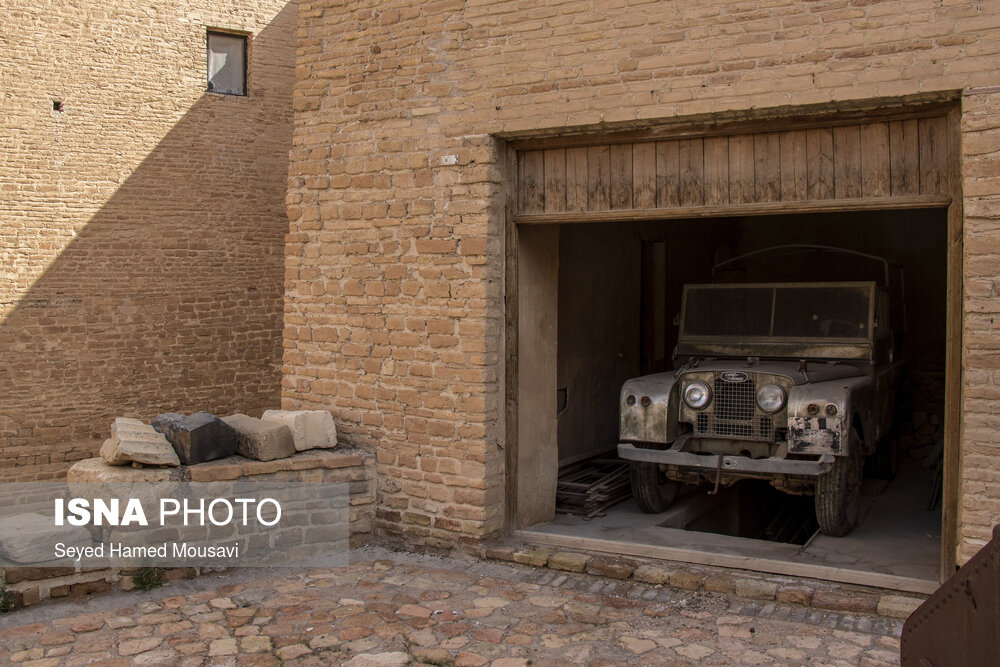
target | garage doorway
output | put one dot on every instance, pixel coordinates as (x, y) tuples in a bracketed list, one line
[(597, 292)]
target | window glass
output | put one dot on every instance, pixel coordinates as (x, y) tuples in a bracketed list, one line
[(782, 311), (821, 312), (737, 311), (227, 68)]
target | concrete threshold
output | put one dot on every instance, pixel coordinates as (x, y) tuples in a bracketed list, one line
[(714, 559)]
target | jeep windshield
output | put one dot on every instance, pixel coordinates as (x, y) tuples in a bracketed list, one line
[(768, 319)]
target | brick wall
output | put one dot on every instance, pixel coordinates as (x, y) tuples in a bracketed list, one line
[(394, 262), (140, 228), (980, 491)]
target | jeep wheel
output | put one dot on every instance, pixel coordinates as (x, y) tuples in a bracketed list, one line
[(653, 492), (838, 492)]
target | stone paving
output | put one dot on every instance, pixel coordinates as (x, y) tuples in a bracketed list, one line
[(390, 608)]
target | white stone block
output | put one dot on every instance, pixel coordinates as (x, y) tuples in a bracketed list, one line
[(311, 429), (132, 440), (31, 538)]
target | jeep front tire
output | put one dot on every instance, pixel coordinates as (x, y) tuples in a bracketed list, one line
[(653, 492), (838, 492)]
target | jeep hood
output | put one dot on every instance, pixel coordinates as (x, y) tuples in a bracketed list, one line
[(816, 371)]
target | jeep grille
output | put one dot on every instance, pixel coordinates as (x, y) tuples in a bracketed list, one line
[(734, 413), (735, 401)]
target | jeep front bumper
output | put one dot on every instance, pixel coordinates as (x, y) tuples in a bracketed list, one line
[(728, 463)]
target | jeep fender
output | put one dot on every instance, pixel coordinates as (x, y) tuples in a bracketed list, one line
[(650, 415), (841, 403)]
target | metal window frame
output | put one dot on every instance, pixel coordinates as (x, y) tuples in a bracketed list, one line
[(209, 33)]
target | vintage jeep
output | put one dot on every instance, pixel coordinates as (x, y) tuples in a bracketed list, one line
[(791, 382)]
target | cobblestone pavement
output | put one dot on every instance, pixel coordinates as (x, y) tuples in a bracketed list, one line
[(390, 608)]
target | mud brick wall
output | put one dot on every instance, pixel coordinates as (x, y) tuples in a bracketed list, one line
[(141, 228), (394, 262), (980, 499)]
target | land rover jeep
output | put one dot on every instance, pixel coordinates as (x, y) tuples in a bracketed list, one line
[(793, 383)]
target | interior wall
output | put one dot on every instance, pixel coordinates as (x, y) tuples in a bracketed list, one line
[(598, 336)]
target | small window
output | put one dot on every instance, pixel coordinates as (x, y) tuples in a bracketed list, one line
[(227, 63)]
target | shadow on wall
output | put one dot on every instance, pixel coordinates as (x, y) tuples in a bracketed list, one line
[(171, 297)]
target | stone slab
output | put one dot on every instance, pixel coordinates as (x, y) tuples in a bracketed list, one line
[(898, 606), (311, 429), (132, 441), (197, 438), (98, 470), (31, 538), (260, 440), (568, 561)]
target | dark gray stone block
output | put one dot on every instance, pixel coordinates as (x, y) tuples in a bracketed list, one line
[(197, 438)]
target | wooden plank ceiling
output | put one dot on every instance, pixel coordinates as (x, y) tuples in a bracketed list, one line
[(887, 164)]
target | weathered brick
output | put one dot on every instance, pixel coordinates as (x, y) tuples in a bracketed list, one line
[(536, 557), (569, 561), (652, 574), (794, 594), (897, 606), (857, 602), (616, 568)]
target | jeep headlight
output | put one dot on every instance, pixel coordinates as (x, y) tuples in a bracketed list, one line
[(770, 398), (697, 395)]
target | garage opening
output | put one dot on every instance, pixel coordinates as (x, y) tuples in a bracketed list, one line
[(619, 297), (598, 302)]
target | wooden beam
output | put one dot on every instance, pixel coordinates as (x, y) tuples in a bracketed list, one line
[(537, 329), (734, 210), (952, 475), (510, 343), (936, 104), (752, 563)]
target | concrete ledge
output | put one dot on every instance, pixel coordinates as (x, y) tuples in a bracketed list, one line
[(31, 585), (745, 584)]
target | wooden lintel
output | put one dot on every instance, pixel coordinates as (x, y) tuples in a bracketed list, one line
[(739, 122), (737, 210)]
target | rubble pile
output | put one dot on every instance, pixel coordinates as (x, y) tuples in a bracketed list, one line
[(175, 439)]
